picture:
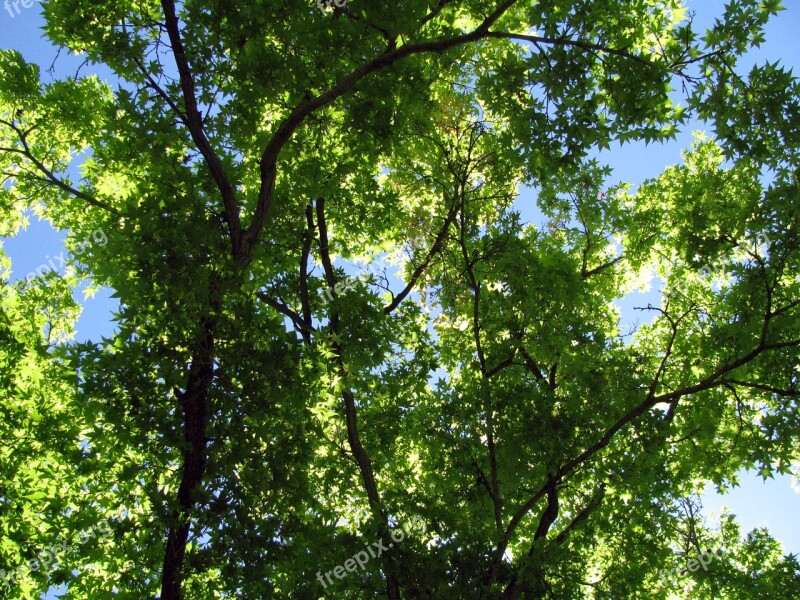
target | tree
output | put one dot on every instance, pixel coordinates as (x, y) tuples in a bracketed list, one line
[(265, 422)]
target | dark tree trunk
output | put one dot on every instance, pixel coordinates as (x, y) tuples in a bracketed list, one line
[(194, 403)]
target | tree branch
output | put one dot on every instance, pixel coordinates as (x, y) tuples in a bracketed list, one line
[(284, 132), (307, 240), (762, 387), (434, 250), (516, 587), (586, 274), (49, 176), (713, 380), (194, 122), (351, 415), (305, 328)]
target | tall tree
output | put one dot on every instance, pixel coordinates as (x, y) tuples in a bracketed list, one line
[(468, 419)]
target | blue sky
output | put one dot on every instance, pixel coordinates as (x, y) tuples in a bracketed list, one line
[(755, 503)]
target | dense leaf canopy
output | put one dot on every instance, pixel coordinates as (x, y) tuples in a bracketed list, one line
[(344, 363)]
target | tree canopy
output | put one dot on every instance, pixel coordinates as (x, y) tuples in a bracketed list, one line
[(345, 363)]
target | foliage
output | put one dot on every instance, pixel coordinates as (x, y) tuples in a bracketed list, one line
[(251, 423)]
